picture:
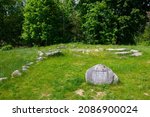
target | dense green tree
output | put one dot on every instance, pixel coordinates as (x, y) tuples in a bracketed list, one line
[(100, 25), (73, 15), (131, 19), (45, 23), (124, 16)]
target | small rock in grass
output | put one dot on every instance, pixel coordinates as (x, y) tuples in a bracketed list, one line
[(25, 68), (29, 64), (16, 73), (53, 53), (136, 54), (48, 54), (117, 49), (3, 78), (40, 53), (123, 53), (40, 58), (134, 51)]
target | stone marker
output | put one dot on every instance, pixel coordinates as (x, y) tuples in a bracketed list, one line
[(16, 73), (100, 74), (3, 78)]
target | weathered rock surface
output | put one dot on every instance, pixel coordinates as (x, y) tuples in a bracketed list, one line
[(53, 53), (136, 54), (40, 58), (123, 52), (25, 68), (100, 74), (16, 73), (87, 50), (3, 78), (134, 51), (117, 49), (40, 53), (30, 63)]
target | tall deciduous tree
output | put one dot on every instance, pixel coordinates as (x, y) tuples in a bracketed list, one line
[(127, 17), (45, 23)]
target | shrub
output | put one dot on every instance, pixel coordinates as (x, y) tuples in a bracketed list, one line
[(99, 25), (6, 47), (144, 38)]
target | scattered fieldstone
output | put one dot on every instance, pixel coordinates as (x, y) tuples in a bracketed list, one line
[(25, 68), (134, 51), (39, 59), (40, 53), (136, 54), (80, 92), (100, 74), (53, 53), (123, 53), (3, 78), (29, 64), (117, 49), (86, 50), (16, 73)]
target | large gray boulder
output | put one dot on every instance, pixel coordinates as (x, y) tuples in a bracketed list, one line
[(100, 74)]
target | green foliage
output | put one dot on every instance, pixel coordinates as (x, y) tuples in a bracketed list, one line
[(112, 22), (144, 38), (44, 23), (6, 47), (146, 34), (73, 28), (99, 26), (48, 22), (11, 19), (131, 19)]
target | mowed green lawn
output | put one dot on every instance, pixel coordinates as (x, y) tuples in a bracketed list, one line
[(60, 77)]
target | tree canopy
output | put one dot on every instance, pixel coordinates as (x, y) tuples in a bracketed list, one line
[(47, 22)]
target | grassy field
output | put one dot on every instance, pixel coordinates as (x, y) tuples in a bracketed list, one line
[(60, 77)]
